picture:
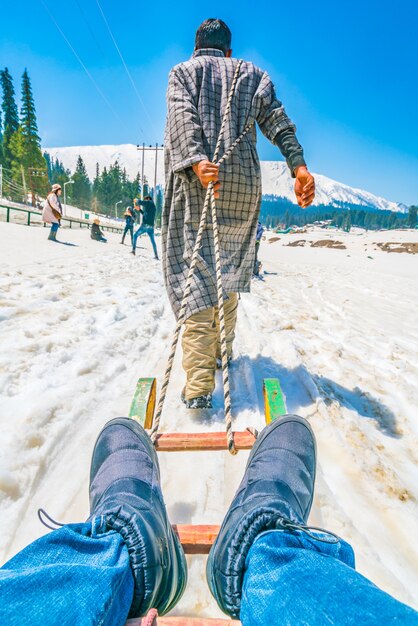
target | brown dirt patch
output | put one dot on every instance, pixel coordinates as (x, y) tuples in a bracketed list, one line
[(392, 246), (298, 243), (328, 243)]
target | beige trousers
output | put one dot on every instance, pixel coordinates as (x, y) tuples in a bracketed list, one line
[(201, 346)]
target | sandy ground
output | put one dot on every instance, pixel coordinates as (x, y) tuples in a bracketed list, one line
[(79, 324)]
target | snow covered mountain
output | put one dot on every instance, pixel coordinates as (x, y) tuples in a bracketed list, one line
[(276, 178)]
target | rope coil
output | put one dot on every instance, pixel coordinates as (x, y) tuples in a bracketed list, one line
[(209, 200)]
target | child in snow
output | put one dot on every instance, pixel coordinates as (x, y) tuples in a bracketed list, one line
[(95, 232), (52, 211)]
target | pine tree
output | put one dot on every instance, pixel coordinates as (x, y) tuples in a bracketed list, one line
[(11, 117), (81, 190), (412, 216), (33, 159), (57, 173), (16, 171)]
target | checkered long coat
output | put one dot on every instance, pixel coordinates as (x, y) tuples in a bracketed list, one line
[(196, 99)]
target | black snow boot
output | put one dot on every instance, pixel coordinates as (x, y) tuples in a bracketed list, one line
[(125, 489), (276, 492), (52, 236)]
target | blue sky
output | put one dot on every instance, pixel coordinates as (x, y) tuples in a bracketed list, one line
[(346, 72)]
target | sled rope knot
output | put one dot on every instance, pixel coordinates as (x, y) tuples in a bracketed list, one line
[(209, 199)]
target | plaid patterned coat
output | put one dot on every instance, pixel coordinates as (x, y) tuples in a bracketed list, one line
[(196, 99)]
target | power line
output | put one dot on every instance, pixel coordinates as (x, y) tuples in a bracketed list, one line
[(90, 29), (81, 62), (124, 65)]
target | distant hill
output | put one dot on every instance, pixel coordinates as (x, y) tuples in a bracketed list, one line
[(276, 178)]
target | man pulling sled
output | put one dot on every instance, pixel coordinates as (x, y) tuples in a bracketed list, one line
[(197, 98)]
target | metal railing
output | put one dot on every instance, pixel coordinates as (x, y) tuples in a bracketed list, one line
[(71, 220)]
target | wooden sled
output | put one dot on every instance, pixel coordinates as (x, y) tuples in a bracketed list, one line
[(198, 539)]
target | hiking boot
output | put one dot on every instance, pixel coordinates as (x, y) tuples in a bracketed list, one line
[(125, 492), (276, 490), (133, 252), (201, 402)]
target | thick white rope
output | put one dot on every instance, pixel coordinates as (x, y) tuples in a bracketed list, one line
[(210, 197)]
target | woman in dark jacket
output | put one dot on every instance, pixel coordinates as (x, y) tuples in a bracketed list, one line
[(129, 224)]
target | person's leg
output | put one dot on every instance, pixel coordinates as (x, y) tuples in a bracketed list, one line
[(256, 269), (53, 231), (131, 232), (230, 312), (124, 234), (265, 567), (124, 559), (150, 232), (79, 574), (294, 579), (199, 353), (138, 233)]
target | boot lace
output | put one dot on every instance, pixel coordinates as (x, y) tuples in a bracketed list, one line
[(43, 514), (330, 537)]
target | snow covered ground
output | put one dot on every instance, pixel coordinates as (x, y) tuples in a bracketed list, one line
[(79, 324)]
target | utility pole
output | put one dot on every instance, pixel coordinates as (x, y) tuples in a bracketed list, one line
[(143, 148), (142, 172), (33, 172), (24, 184)]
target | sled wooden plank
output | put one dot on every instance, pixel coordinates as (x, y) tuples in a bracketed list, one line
[(274, 401), (143, 403), (184, 621), (196, 539), (178, 442)]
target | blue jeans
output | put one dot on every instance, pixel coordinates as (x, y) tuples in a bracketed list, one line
[(130, 230), (54, 227), (292, 579), (150, 232), (80, 574)]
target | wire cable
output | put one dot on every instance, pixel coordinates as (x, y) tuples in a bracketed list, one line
[(93, 36), (81, 62), (124, 65)]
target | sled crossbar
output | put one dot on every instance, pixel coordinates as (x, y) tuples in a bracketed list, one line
[(196, 539), (179, 442)]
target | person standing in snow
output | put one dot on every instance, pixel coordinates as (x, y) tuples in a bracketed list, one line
[(95, 232), (259, 234), (129, 224), (52, 211), (197, 94), (148, 218)]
